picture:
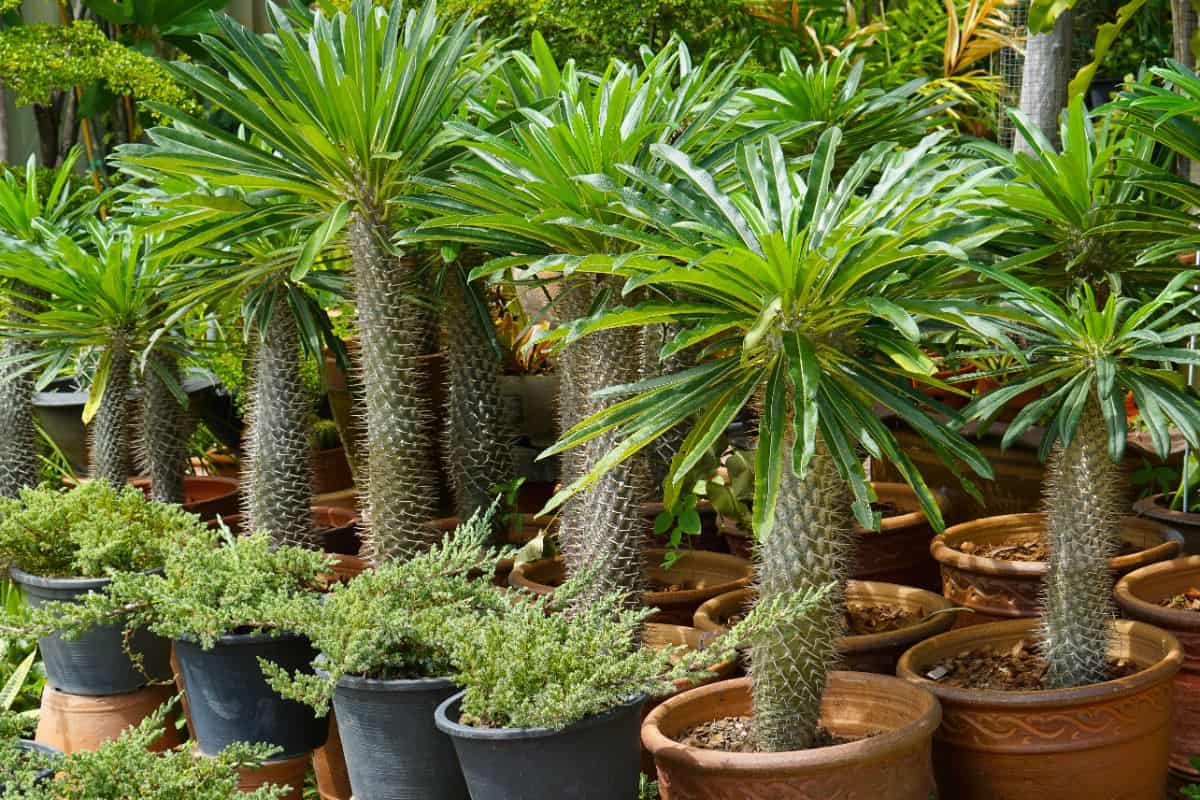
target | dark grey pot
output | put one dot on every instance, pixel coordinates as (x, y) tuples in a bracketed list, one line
[(96, 663), (44, 749), (393, 750), (597, 758), (230, 701)]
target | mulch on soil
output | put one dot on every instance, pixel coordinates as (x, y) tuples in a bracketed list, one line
[(1187, 601), (736, 735), (1020, 669)]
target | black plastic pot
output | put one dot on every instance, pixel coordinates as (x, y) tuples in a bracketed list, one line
[(393, 750), (53, 752), (97, 663), (230, 701), (597, 758)]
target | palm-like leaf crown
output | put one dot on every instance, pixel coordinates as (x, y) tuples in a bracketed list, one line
[(808, 292), (26, 213)]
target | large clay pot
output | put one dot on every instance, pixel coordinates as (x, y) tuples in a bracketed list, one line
[(331, 471), (329, 766), (521, 530), (897, 553), (892, 762), (1139, 594), (1158, 509), (876, 652), (1107, 740), (996, 589), (75, 722), (290, 772), (206, 495), (710, 575)]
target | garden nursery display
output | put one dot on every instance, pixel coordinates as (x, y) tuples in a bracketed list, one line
[(492, 400)]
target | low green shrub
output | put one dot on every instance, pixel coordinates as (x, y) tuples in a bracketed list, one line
[(92, 531)]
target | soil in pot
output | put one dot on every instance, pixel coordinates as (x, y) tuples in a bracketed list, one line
[(230, 701), (595, 759), (206, 495), (997, 588), (393, 750), (702, 576), (884, 620), (1158, 508), (1167, 595), (884, 728), (1106, 740), (98, 662), (896, 553)]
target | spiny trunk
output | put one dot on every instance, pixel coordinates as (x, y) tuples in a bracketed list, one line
[(278, 469), (661, 452), (19, 466), (1045, 77), (478, 447), (401, 466), (1083, 507), (166, 427), (112, 453), (601, 529), (811, 545)]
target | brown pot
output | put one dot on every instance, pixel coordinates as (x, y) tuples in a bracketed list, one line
[(893, 762), (1158, 509), (1139, 594), (1107, 740), (223, 465), (877, 652), (347, 568), (73, 722), (711, 574), (897, 553), (290, 772), (338, 528), (206, 495), (711, 537), (331, 471), (329, 766), (996, 589), (518, 534)]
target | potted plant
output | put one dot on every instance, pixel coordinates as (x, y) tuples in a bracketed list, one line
[(420, 70), (383, 664), (217, 599), (1086, 350), (551, 702), (27, 211), (65, 547), (807, 314), (23, 763)]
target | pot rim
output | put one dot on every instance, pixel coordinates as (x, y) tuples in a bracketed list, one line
[(518, 579), (441, 717), (394, 685), (43, 582), (844, 756), (224, 480), (1131, 603), (1154, 505), (944, 554), (240, 639), (1148, 676)]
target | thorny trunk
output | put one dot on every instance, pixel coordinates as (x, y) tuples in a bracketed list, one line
[(19, 445), (394, 326), (811, 545), (166, 427), (1083, 506), (278, 469), (112, 454), (1045, 77)]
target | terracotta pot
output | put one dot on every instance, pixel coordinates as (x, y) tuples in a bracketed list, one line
[(346, 568), (711, 537), (329, 766), (338, 528), (893, 762), (290, 772), (996, 589), (711, 574), (897, 553), (877, 652), (74, 722), (1158, 509), (1107, 740), (331, 471), (520, 531), (222, 464), (1139, 594), (206, 495)]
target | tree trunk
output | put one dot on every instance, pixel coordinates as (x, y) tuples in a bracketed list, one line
[(811, 545), (19, 467), (278, 469), (478, 447), (1183, 29), (166, 427), (1044, 80), (112, 455), (661, 452), (1083, 507), (401, 454)]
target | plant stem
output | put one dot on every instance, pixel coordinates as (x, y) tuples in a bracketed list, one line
[(278, 469), (166, 426), (19, 444), (1082, 499), (811, 545), (401, 460), (111, 452)]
